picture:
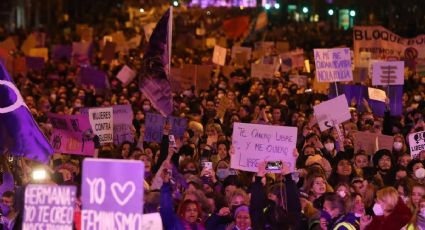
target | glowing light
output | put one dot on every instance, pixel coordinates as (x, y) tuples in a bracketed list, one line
[(331, 12), (305, 10), (276, 5), (352, 13), (141, 10), (175, 3), (267, 6)]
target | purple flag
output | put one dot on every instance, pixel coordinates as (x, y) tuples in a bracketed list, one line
[(35, 63), (153, 79), (61, 52), (19, 133), (112, 188), (91, 76)]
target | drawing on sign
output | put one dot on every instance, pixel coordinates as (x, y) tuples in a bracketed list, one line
[(388, 74), (417, 137)]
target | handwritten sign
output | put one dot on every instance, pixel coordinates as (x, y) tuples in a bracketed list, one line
[(388, 73), (256, 143), (101, 121), (333, 65), (154, 125), (263, 70), (239, 49), (299, 80), (126, 75), (417, 144), (332, 112), (371, 142), (49, 207), (219, 55), (71, 134), (123, 122), (377, 94), (112, 194), (152, 221)]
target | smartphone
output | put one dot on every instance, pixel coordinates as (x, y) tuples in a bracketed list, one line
[(274, 165), (172, 141), (208, 165)]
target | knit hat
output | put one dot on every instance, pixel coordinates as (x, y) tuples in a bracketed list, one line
[(240, 209)]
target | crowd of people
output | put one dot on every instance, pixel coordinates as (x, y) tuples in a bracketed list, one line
[(333, 187)]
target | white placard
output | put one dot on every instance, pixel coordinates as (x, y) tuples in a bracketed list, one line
[(417, 143), (377, 94), (219, 56), (152, 221), (332, 112), (101, 121), (256, 143), (126, 75), (388, 73), (333, 65)]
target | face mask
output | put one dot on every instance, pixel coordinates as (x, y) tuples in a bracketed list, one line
[(358, 215), (377, 209), (222, 173), (146, 107), (329, 146), (342, 194), (417, 98), (397, 145), (420, 173)]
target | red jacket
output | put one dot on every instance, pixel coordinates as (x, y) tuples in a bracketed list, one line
[(395, 221)]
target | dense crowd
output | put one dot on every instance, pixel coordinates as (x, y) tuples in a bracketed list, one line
[(333, 187)]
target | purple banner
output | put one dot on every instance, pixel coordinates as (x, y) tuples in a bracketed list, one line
[(91, 76), (154, 125), (112, 194), (71, 134), (49, 207)]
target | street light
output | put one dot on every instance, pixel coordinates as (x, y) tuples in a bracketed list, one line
[(352, 13), (276, 5), (175, 3), (305, 10), (331, 12), (267, 6), (141, 10)]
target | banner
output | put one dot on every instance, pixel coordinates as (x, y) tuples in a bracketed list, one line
[(154, 125), (417, 144), (371, 142), (386, 45), (112, 194), (388, 73), (256, 143), (333, 65), (71, 134), (332, 112), (101, 121), (49, 207)]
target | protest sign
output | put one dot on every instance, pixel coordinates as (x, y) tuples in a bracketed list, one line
[(242, 50), (228, 70), (210, 42), (333, 65), (112, 194), (152, 221), (8, 45), (203, 76), (134, 42), (307, 65), (332, 112), (71, 134), (39, 52), (371, 142), (123, 123), (376, 94), (49, 207), (126, 75), (299, 80), (285, 62), (108, 53), (388, 73), (91, 76), (119, 38), (101, 121), (263, 70), (80, 52), (219, 55), (417, 144), (148, 28), (28, 44), (266, 47), (256, 143), (282, 46), (175, 82), (154, 124), (34, 63), (61, 52), (360, 75)]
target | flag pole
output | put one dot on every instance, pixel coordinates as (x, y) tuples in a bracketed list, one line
[(170, 39)]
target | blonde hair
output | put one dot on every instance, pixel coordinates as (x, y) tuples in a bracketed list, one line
[(389, 196), (239, 192)]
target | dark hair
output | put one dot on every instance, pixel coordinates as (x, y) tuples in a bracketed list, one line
[(336, 202), (183, 206), (8, 194)]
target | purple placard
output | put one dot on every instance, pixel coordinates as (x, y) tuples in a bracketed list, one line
[(123, 122), (49, 207), (113, 189), (72, 134), (91, 76), (61, 52), (154, 125), (35, 63)]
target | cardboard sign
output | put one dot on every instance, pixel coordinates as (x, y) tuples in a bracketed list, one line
[(154, 125), (333, 65), (219, 55), (299, 80), (377, 94), (256, 143), (101, 121), (388, 73), (262, 70), (112, 189), (417, 144), (39, 52), (371, 142), (241, 50), (123, 123), (203, 77), (71, 134), (332, 112), (126, 75), (49, 207)]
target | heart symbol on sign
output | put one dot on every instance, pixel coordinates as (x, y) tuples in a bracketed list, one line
[(122, 191)]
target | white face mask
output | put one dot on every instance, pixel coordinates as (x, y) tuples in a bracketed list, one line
[(146, 107), (342, 193), (397, 145), (377, 209), (420, 173), (330, 146), (358, 215)]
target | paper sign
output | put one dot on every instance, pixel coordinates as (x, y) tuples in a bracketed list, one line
[(154, 124), (34, 63), (101, 121), (126, 75), (417, 144), (371, 142), (262, 70), (91, 76), (71, 134), (219, 55), (112, 189), (256, 143), (333, 65), (49, 207), (299, 80), (152, 221), (388, 73), (332, 112), (377, 94), (123, 123), (240, 49)]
